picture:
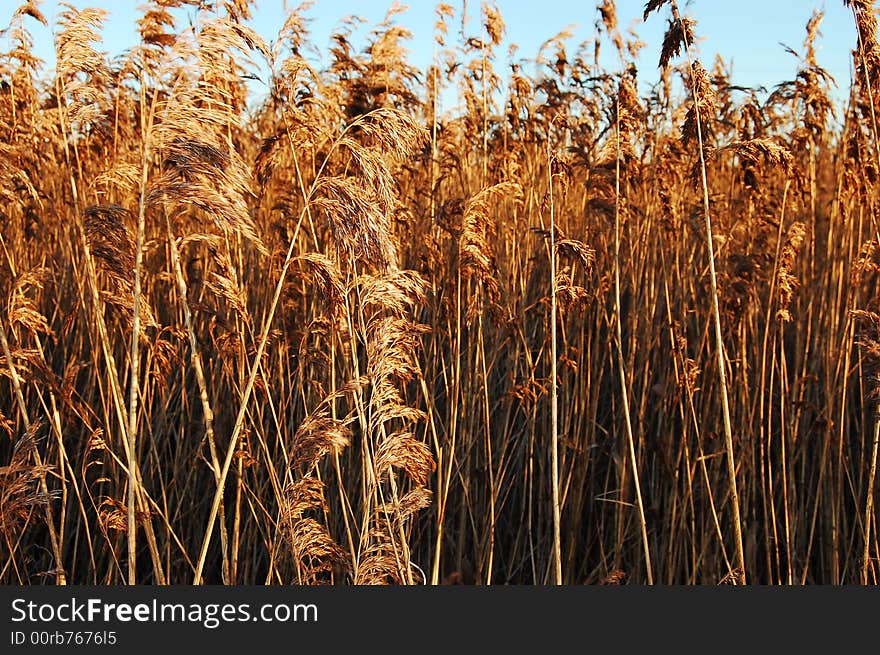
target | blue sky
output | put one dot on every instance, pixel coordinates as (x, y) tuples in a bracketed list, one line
[(747, 33)]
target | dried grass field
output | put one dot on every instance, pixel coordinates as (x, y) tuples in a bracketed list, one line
[(600, 326)]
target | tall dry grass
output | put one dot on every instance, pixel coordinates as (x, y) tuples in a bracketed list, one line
[(573, 333)]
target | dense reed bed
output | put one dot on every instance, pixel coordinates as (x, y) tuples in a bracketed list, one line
[(576, 332)]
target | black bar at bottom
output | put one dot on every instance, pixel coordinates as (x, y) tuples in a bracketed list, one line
[(433, 619)]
